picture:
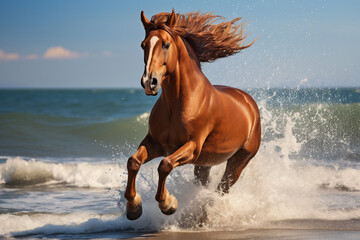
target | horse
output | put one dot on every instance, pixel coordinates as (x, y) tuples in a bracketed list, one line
[(192, 122)]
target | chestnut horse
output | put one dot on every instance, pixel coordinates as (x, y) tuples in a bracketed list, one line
[(192, 122)]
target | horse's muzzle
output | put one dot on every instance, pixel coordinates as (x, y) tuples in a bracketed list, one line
[(151, 86)]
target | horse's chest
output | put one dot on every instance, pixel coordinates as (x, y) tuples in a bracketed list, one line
[(170, 134)]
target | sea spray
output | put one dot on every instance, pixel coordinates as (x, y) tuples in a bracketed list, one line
[(278, 184)]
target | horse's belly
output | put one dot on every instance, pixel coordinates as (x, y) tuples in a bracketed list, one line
[(212, 158), (221, 145)]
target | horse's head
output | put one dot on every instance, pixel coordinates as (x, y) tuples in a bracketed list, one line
[(160, 55)]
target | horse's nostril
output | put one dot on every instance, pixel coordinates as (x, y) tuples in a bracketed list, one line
[(154, 81)]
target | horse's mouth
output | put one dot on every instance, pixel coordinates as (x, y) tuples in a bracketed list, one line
[(151, 94)]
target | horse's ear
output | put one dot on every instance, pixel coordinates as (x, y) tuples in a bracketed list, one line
[(172, 19), (145, 21)]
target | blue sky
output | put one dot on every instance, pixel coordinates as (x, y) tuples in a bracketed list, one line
[(96, 44)]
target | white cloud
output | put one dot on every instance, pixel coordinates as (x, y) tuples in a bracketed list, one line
[(60, 52), (57, 52), (8, 56), (107, 54)]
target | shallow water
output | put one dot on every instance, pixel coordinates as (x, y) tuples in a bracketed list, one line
[(63, 169)]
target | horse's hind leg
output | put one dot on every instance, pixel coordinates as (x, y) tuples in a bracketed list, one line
[(202, 175), (235, 165)]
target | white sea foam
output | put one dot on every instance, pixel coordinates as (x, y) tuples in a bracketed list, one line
[(143, 118), (53, 223), (18, 171), (272, 188)]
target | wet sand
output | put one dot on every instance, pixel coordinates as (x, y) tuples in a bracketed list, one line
[(222, 235), (259, 234), (287, 229)]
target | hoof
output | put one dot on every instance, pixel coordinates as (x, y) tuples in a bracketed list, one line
[(134, 213), (168, 206), (134, 208)]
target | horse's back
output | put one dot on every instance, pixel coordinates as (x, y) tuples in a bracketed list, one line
[(238, 95)]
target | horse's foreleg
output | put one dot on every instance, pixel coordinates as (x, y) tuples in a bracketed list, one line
[(184, 155), (146, 151), (234, 166)]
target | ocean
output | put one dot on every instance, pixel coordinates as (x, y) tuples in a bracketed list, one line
[(63, 157)]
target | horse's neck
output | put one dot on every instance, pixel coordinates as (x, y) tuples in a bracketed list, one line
[(187, 80)]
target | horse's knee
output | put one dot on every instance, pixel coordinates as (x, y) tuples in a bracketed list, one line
[(133, 164), (165, 167)]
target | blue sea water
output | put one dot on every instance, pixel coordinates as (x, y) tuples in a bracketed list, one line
[(63, 160)]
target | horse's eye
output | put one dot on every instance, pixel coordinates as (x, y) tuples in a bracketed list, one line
[(166, 45)]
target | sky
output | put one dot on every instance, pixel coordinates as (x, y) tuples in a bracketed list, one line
[(96, 44)]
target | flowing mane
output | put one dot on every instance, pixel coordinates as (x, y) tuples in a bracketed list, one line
[(208, 39)]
